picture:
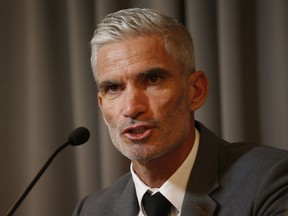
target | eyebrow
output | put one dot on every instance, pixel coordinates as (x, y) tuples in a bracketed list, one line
[(153, 71), (139, 76), (104, 84)]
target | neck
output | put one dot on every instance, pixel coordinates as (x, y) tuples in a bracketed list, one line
[(154, 173)]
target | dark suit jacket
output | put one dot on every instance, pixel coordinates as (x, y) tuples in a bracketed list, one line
[(227, 179)]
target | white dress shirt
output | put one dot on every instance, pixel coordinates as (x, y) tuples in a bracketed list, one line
[(174, 188)]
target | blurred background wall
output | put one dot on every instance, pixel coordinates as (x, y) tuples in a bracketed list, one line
[(47, 88)]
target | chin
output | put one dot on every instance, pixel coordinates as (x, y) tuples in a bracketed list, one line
[(144, 156)]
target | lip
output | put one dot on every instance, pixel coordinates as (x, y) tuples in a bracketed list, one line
[(138, 132)]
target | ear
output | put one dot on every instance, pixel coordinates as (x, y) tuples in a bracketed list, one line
[(198, 89), (100, 100), (100, 103)]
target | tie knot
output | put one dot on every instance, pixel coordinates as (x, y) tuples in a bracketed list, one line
[(156, 205)]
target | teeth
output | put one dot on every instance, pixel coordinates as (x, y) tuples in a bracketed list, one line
[(138, 130)]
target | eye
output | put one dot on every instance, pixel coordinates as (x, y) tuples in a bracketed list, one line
[(153, 78), (112, 88)]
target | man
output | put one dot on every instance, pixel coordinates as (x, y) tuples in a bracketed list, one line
[(143, 63)]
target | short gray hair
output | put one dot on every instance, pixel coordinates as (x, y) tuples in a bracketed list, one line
[(141, 22)]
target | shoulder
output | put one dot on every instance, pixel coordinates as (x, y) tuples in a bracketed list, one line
[(103, 201), (251, 157), (240, 154), (112, 192), (251, 178), (257, 175)]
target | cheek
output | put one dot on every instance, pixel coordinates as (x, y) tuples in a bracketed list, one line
[(109, 113), (170, 101)]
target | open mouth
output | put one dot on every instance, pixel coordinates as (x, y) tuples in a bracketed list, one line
[(136, 133), (137, 130)]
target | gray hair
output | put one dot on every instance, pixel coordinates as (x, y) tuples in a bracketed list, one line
[(140, 22)]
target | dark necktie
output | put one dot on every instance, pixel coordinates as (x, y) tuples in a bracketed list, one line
[(156, 205)]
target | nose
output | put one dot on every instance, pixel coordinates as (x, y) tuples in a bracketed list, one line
[(135, 102)]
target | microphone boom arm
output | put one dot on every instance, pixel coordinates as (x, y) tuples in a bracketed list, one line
[(77, 137), (36, 178)]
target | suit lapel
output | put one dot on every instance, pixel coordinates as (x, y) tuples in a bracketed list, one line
[(202, 182), (204, 177), (127, 203)]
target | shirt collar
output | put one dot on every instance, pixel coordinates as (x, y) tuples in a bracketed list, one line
[(174, 188)]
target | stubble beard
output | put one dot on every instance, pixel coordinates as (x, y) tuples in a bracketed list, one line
[(140, 151), (132, 149)]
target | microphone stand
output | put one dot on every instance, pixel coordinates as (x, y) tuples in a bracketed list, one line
[(36, 178)]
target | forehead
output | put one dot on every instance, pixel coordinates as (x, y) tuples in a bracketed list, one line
[(132, 55)]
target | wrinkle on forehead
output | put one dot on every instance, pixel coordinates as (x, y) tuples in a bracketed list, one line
[(128, 55)]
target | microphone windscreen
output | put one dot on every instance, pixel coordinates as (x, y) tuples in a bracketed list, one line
[(79, 136)]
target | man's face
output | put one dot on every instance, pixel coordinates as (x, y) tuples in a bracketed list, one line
[(144, 98)]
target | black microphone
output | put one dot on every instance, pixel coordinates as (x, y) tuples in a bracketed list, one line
[(77, 137)]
